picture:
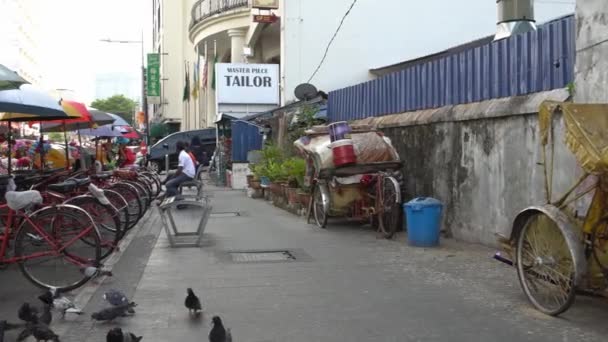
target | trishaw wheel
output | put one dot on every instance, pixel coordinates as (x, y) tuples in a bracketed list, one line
[(318, 208), (545, 265), (388, 218)]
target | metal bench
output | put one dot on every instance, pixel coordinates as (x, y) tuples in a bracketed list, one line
[(194, 183), (184, 239)]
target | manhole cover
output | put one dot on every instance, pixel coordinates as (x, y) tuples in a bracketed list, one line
[(228, 214), (262, 256)]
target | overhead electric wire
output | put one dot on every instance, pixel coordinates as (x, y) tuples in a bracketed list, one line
[(332, 40)]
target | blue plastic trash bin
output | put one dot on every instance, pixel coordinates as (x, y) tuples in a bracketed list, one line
[(423, 217)]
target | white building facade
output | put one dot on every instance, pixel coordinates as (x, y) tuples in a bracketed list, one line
[(20, 39), (177, 55)]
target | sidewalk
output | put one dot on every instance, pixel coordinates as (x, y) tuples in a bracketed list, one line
[(345, 285)]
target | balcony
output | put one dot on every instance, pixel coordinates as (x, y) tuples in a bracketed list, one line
[(204, 9)]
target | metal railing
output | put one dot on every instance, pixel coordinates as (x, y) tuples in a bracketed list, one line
[(203, 9)]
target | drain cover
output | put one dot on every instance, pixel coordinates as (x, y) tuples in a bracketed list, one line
[(227, 214), (262, 256)]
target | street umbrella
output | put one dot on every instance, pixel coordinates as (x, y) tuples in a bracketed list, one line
[(96, 118), (9, 79), (29, 104), (118, 121), (102, 131)]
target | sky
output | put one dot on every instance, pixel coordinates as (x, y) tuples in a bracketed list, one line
[(72, 50)]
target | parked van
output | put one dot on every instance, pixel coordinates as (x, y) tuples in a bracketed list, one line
[(167, 145)]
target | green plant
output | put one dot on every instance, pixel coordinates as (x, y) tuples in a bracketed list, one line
[(296, 170), (271, 164), (571, 87)]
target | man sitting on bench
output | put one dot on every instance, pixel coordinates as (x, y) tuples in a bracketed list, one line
[(185, 171)]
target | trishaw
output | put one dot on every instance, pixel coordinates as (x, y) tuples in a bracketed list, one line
[(367, 191), (561, 247)]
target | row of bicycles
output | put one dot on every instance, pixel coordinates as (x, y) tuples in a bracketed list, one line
[(60, 226)]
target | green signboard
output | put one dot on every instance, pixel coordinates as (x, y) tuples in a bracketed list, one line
[(153, 75)]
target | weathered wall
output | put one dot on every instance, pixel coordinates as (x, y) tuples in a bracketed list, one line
[(484, 168), (591, 72)]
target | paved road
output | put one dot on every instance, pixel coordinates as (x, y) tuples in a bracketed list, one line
[(345, 285)]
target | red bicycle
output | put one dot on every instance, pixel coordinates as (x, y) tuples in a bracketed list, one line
[(52, 245)]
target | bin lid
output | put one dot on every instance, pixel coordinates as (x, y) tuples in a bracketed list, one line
[(422, 202)]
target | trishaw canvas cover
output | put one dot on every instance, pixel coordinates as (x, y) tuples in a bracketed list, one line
[(586, 132)]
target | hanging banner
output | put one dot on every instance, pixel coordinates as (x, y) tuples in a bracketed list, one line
[(153, 78)]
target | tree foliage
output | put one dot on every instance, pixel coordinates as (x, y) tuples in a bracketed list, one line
[(117, 104)]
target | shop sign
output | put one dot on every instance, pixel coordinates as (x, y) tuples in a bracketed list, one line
[(247, 83)]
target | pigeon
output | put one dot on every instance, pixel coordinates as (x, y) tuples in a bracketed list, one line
[(41, 332), (59, 303), (117, 298), (114, 335), (217, 333), (112, 313), (28, 313), (94, 272), (46, 316), (192, 302)]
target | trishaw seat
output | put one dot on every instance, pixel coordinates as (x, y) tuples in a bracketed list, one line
[(17, 200)]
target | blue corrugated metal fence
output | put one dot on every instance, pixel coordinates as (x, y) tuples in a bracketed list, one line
[(527, 63), (245, 137)]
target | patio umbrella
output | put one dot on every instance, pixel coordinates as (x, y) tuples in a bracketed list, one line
[(131, 135), (118, 121), (9, 79), (102, 131), (97, 117), (29, 104)]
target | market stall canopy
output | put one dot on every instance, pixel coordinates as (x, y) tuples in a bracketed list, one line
[(97, 117), (118, 121), (28, 103), (9, 79), (102, 131)]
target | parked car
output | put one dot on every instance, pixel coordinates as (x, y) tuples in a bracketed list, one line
[(167, 145)]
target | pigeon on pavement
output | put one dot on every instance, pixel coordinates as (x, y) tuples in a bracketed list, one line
[(110, 314), (59, 303), (28, 313), (117, 335), (94, 272), (192, 302), (46, 316), (41, 332), (218, 332), (117, 298), (114, 335)]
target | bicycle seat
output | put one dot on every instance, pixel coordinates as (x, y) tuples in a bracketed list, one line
[(69, 185), (17, 200), (102, 175), (81, 181), (64, 187)]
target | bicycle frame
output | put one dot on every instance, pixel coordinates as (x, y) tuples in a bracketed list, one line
[(9, 224)]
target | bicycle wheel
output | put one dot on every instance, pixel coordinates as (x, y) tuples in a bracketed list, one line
[(390, 206), (147, 187), (107, 219), (122, 206), (545, 265), (319, 208), (135, 204), (154, 181), (143, 195), (54, 244)]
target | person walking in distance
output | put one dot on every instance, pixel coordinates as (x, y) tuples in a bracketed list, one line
[(185, 171)]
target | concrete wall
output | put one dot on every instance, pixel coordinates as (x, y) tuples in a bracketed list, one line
[(481, 163), (591, 76)]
